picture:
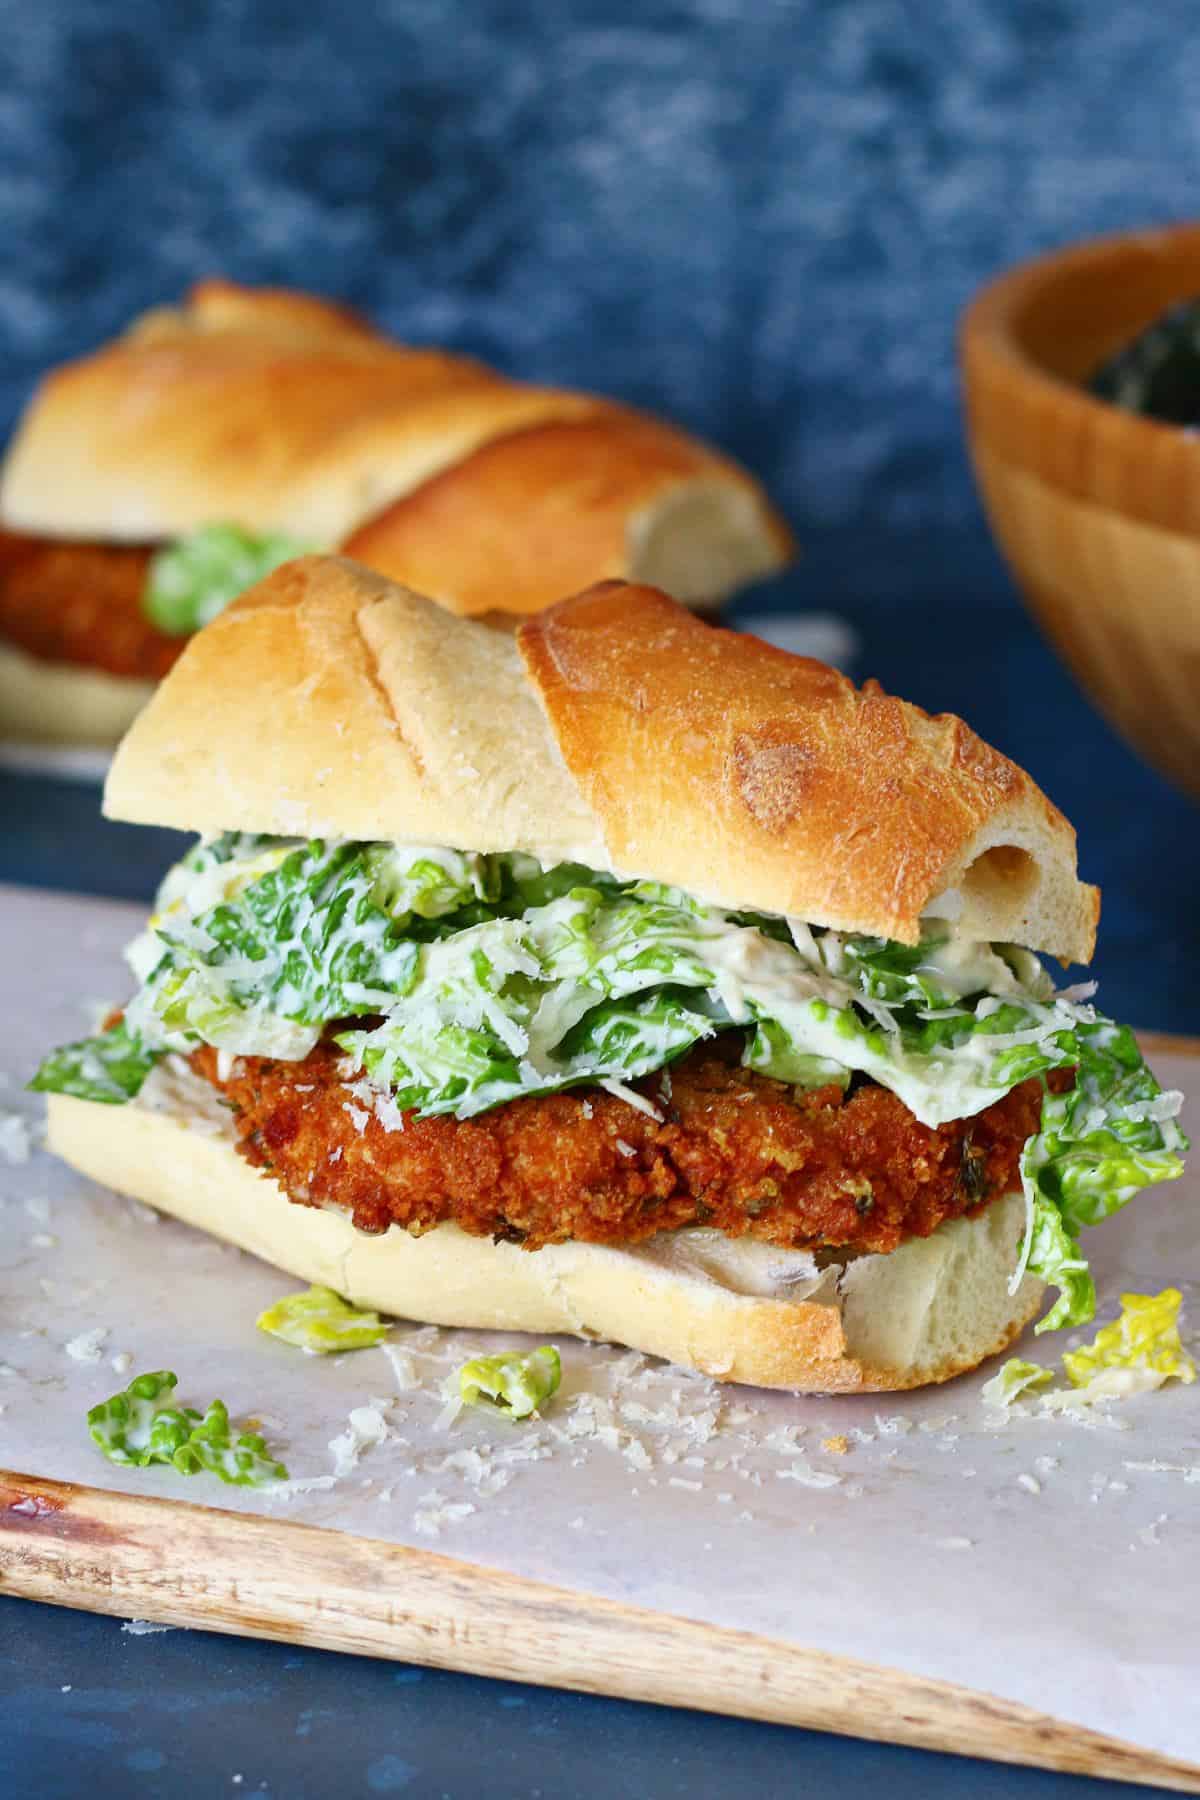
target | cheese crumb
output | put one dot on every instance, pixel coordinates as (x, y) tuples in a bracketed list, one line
[(631, 1097), (804, 1473), (15, 1139), (404, 1370), (366, 1426), (837, 1446), (88, 1347), (434, 1511)]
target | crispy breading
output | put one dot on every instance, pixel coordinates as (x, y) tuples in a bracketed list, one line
[(731, 1149), (82, 603)]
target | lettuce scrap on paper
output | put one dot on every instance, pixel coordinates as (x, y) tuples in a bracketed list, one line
[(515, 1383), (492, 977), (1017, 1377), (321, 1322), (1139, 1351), (139, 1427)]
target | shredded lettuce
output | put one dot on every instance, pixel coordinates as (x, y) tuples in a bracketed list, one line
[(1139, 1351), (212, 1449), (1142, 1340), (139, 1426), (516, 1384), (195, 578), (321, 1322), (1017, 1377), (109, 1067), (462, 981), (1099, 1144)]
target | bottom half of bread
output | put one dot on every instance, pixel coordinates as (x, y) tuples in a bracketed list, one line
[(738, 1310), (65, 703)]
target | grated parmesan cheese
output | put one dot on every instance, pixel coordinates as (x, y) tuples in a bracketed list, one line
[(366, 1427), (404, 1370), (631, 1097), (88, 1347), (803, 1472), (434, 1511), (16, 1141)]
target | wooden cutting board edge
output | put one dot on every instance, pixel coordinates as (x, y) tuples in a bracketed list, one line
[(89, 1548), (253, 1577)]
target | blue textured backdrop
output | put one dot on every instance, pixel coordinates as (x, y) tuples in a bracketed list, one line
[(759, 215)]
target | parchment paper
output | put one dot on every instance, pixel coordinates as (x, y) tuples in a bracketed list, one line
[(1044, 1560)]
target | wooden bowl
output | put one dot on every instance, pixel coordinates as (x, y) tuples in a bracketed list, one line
[(1097, 510)]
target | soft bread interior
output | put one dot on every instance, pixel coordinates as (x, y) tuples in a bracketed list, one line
[(699, 542), (738, 1311), (65, 703)]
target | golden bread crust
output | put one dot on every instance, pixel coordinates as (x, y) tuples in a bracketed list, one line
[(284, 412), (615, 729), (704, 754), (539, 512)]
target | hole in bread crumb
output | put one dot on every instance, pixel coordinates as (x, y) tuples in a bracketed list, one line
[(1005, 873)]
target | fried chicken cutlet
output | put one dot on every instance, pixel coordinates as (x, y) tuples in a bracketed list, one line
[(730, 1149), (82, 604)]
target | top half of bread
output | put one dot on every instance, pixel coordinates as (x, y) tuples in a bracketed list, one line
[(615, 729), (283, 412)]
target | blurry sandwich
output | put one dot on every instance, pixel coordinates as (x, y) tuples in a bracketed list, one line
[(623, 977), (150, 482)]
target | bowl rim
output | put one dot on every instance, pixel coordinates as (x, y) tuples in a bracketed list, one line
[(1045, 425)]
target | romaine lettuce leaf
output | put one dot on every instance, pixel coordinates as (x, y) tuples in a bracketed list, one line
[(1017, 1377), (212, 1449), (138, 1427), (109, 1067), (195, 578), (1142, 1340), (515, 1383), (463, 981), (1099, 1144), (321, 1322)]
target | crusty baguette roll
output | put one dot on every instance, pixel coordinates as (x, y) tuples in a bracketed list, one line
[(925, 1312), (614, 729), (282, 412), (541, 511)]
